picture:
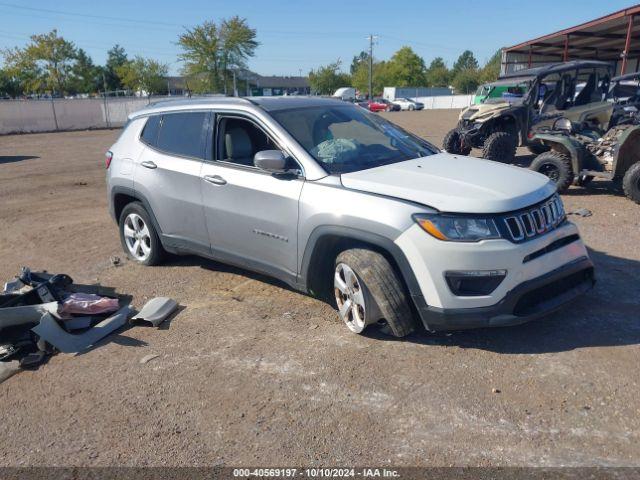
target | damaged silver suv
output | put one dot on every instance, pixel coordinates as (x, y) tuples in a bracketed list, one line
[(340, 203)]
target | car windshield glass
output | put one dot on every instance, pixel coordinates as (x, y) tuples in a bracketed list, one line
[(347, 138)]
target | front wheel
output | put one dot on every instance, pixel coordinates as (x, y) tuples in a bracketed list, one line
[(631, 182), (368, 291), (500, 147), (138, 236), (452, 143), (556, 166)]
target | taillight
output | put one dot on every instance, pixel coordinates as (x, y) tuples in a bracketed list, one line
[(107, 159)]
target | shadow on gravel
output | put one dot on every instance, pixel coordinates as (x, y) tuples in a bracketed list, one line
[(15, 158), (607, 316)]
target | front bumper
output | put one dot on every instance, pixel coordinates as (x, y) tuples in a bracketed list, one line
[(528, 301)]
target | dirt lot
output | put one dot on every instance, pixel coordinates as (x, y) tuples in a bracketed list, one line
[(252, 373)]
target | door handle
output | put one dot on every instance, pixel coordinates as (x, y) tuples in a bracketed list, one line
[(215, 179), (149, 164)]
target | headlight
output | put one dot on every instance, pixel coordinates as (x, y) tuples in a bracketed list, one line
[(457, 228)]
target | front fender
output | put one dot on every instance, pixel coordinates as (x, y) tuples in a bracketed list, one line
[(564, 145)]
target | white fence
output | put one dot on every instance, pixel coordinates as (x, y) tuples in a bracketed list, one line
[(29, 116), (446, 101)]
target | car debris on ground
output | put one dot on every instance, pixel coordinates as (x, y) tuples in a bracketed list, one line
[(42, 313)]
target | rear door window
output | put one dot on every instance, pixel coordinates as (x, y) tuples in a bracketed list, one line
[(183, 134), (150, 132)]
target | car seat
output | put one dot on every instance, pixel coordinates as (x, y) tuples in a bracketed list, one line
[(238, 146)]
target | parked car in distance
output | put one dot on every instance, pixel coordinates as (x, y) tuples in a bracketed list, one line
[(377, 105), (347, 206), (408, 104), (391, 107)]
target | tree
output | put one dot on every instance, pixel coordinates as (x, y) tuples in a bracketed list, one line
[(211, 52), (45, 64), (361, 58), (437, 74), (143, 75), (9, 86), (466, 81), (405, 69), (491, 69), (116, 58), (327, 79), (85, 76), (466, 61)]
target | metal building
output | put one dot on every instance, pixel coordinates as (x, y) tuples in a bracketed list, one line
[(612, 38)]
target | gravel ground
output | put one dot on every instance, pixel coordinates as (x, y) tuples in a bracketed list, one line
[(252, 373)]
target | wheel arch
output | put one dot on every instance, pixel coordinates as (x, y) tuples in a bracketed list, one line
[(326, 242), (628, 151), (564, 146), (122, 196)]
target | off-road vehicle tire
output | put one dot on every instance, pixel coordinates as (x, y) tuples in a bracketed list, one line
[(452, 143), (383, 291), (556, 166), (500, 147), (631, 182), (537, 148), (135, 220)]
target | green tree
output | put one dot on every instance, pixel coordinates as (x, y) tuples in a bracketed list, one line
[(327, 79), (466, 81), (116, 58), (85, 76), (212, 51), (358, 60), (438, 74), (9, 85), (45, 64), (491, 69), (143, 75), (405, 69), (466, 61)]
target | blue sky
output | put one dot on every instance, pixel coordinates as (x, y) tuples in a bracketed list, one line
[(299, 35)]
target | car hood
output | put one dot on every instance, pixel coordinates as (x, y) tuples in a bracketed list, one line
[(455, 183), (481, 109)]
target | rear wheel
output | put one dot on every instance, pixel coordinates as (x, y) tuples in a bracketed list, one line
[(453, 143), (368, 291), (138, 236), (631, 182), (500, 147), (556, 166)]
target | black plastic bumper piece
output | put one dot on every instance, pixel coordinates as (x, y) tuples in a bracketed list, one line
[(528, 301)]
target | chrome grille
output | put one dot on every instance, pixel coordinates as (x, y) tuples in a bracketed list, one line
[(536, 220)]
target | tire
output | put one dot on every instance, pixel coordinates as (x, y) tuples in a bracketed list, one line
[(556, 166), (631, 182), (376, 285), (452, 143), (411, 108), (136, 228), (537, 148), (500, 147)]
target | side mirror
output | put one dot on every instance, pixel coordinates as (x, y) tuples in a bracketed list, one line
[(272, 161)]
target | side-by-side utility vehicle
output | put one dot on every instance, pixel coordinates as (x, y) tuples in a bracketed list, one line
[(575, 90)]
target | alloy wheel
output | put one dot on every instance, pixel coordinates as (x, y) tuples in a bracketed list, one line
[(349, 298), (137, 237)]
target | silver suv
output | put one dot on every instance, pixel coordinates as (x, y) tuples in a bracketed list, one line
[(340, 203)]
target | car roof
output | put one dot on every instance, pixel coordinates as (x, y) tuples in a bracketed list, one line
[(266, 103), (555, 67), (628, 76)]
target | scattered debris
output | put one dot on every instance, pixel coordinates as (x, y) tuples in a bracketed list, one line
[(115, 261), (50, 330), (148, 358), (80, 184), (313, 327), (38, 312), (582, 212), (155, 311), (495, 390)]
